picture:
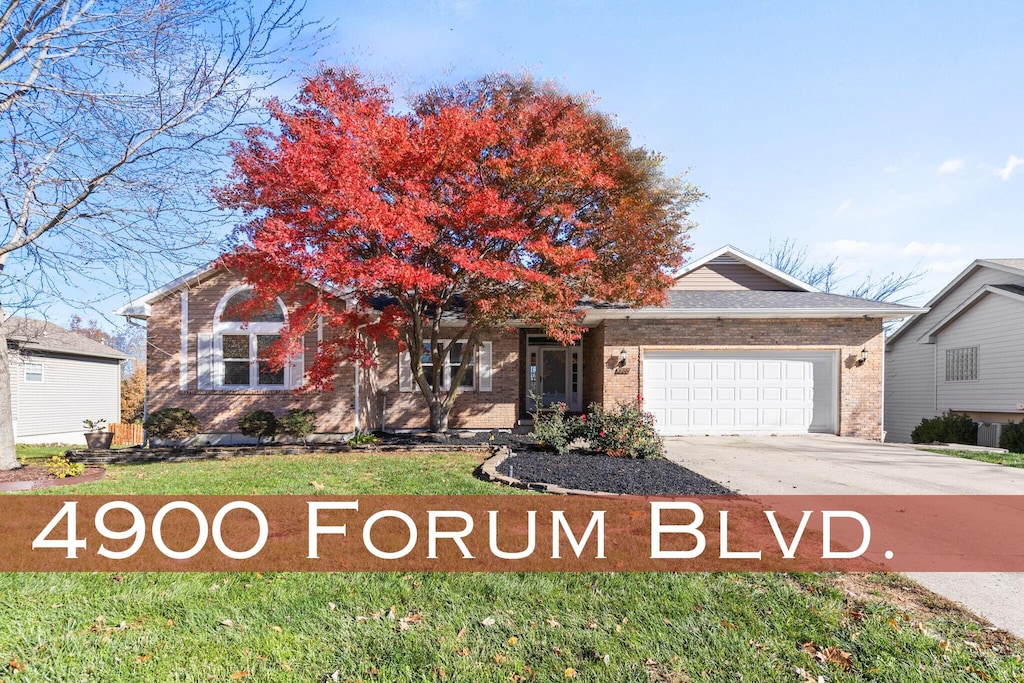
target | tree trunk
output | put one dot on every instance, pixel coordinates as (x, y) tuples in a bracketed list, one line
[(438, 416), (8, 457)]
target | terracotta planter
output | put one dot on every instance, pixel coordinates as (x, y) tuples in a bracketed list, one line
[(99, 441)]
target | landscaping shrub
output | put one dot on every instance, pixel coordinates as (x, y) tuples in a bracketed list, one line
[(258, 424), (297, 423), (949, 427), (1012, 438), (627, 430), (551, 429), (363, 439), (172, 423), (59, 466)]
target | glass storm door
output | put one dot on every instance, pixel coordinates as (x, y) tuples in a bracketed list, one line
[(553, 380)]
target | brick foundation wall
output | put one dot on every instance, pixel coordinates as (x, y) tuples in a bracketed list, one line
[(219, 411), (473, 409), (860, 387)]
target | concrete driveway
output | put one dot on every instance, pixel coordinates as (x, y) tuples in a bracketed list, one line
[(830, 465)]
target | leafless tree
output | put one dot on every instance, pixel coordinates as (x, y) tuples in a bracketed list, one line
[(113, 120), (791, 258)]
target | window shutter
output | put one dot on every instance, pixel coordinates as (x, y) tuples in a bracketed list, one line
[(484, 364), (297, 366), (205, 364), (404, 372)]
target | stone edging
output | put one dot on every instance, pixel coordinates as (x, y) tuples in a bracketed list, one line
[(37, 484), (489, 469), (143, 456)]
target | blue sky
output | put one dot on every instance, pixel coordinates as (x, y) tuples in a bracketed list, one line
[(886, 134), (881, 133)]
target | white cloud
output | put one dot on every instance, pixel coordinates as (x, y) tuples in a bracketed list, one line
[(891, 169), (846, 204), (1006, 171), (933, 250), (951, 166)]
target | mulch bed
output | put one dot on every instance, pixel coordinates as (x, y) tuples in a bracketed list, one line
[(594, 472), (31, 477)]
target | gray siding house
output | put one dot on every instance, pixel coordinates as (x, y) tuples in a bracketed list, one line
[(58, 379), (965, 355)]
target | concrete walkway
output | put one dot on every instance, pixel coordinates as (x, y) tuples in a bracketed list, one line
[(830, 465)]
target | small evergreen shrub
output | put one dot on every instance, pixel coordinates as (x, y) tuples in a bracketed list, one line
[(172, 423), (258, 424), (59, 466), (1012, 438), (949, 427), (297, 423)]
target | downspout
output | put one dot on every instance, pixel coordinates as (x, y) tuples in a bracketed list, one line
[(358, 380)]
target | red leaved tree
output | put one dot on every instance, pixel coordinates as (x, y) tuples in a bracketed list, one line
[(495, 201)]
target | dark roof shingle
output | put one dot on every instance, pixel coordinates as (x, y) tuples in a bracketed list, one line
[(40, 335)]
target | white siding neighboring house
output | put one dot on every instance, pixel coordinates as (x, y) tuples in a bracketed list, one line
[(58, 379), (965, 355)]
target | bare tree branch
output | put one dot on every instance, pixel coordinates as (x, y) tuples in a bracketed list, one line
[(114, 116)]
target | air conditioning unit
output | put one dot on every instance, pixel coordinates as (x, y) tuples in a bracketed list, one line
[(989, 434)]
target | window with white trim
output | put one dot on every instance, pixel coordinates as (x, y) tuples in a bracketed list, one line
[(451, 365), (242, 345), (478, 370), (34, 373), (962, 364)]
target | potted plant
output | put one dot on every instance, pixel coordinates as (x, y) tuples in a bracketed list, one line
[(96, 436)]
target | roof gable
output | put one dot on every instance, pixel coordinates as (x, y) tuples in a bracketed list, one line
[(1012, 268), (729, 269), (141, 307), (1012, 292)]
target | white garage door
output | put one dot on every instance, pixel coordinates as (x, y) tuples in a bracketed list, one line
[(741, 393)]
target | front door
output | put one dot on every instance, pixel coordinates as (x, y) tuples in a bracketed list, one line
[(554, 384), (554, 375)]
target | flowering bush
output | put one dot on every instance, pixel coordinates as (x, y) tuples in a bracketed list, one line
[(627, 430), (624, 431)]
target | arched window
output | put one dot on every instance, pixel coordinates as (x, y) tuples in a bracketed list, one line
[(240, 347)]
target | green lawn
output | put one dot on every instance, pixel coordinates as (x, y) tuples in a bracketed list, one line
[(1008, 459), (421, 627)]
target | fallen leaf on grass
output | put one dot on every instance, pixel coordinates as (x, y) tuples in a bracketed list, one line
[(142, 658), (488, 621), (405, 622), (16, 665), (552, 622), (277, 628), (228, 623), (499, 658), (331, 607), (317, 486), (462, 632), (829, 655), (570, 672), (808, 678), (238, 675), (658, 673)]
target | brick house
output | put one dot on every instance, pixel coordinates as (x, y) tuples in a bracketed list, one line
[(739, 348)]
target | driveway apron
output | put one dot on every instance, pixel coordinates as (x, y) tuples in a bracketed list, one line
[(830, 465)]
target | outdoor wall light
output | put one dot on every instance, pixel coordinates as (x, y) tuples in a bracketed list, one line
[(622, 358), (863, 356)]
